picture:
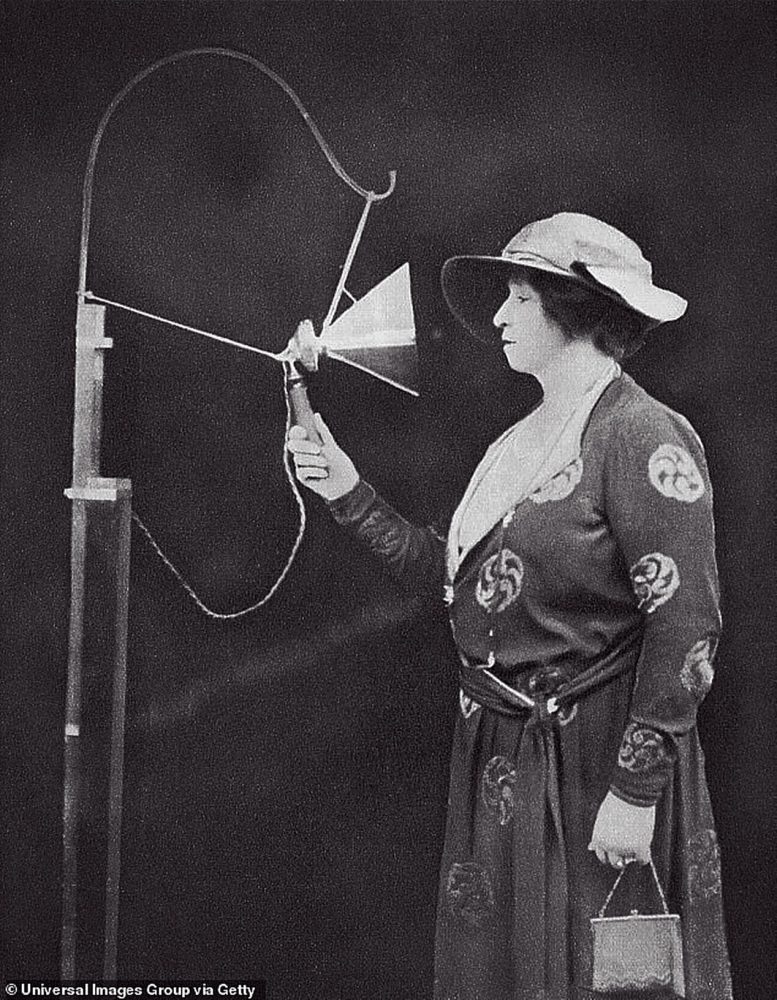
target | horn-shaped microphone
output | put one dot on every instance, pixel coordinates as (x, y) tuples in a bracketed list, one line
[(376, 335)]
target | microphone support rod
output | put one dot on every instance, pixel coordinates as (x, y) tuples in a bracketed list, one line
[(91, 297)]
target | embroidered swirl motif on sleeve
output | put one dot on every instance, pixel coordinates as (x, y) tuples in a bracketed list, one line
[(497, 788), (642, 749), (697, 672), (500, 581), (469, 892), (654, 578), (382, 538), (560, 486), (674, 473)]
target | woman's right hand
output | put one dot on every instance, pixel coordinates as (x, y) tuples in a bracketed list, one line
[(325, 469)]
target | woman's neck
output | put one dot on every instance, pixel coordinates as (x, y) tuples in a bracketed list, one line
[(573, 373)]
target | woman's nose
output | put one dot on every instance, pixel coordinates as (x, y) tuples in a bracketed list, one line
[(500, 318)]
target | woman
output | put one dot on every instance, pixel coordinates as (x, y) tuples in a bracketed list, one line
[(581, 583)]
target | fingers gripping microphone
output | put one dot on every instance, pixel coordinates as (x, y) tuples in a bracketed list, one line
[(304, 349), (302, 411)]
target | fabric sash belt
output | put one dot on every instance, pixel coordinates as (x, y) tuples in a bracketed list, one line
[(545, 690)]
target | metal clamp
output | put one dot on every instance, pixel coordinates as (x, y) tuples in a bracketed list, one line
[(100, 488)]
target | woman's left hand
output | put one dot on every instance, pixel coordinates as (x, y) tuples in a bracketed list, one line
[(622, 832)]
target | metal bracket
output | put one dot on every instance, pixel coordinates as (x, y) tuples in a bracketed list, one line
[(101, 488)]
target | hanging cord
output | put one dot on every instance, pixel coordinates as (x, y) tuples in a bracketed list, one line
[(187, 587), (231, 615)]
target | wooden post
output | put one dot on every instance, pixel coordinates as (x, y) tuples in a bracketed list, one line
[(96, 678)]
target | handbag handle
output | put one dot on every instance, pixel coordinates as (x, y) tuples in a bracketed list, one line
[(617, 882)]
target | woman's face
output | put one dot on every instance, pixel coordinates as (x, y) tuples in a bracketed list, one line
[(530, 340)]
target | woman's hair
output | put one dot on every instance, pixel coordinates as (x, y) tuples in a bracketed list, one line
[(583, 313)]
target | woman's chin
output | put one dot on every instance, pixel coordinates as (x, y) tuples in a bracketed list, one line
[(517, 363)]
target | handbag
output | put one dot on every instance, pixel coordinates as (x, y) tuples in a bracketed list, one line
[(638, 955)]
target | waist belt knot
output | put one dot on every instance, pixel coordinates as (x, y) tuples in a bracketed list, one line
[(546, 690), (538, 691)]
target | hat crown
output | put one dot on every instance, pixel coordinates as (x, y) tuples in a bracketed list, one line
[(569, 238)]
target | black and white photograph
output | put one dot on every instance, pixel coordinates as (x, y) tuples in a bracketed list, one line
[(388, 487)]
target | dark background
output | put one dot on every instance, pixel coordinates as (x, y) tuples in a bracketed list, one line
[(286, 773)]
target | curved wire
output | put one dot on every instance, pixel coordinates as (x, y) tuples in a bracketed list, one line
[(86, 204)]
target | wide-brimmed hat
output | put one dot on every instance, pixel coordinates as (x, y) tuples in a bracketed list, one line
[(575, 246)]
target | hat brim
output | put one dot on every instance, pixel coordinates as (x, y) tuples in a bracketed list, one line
[(656, 303), (475, 286)]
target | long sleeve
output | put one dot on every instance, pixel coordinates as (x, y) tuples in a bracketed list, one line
[(414, 555), (659, 505)]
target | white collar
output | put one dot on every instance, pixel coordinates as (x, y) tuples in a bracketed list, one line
[(524, 477)]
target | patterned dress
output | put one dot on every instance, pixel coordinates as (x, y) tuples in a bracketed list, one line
[(598, 589)]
